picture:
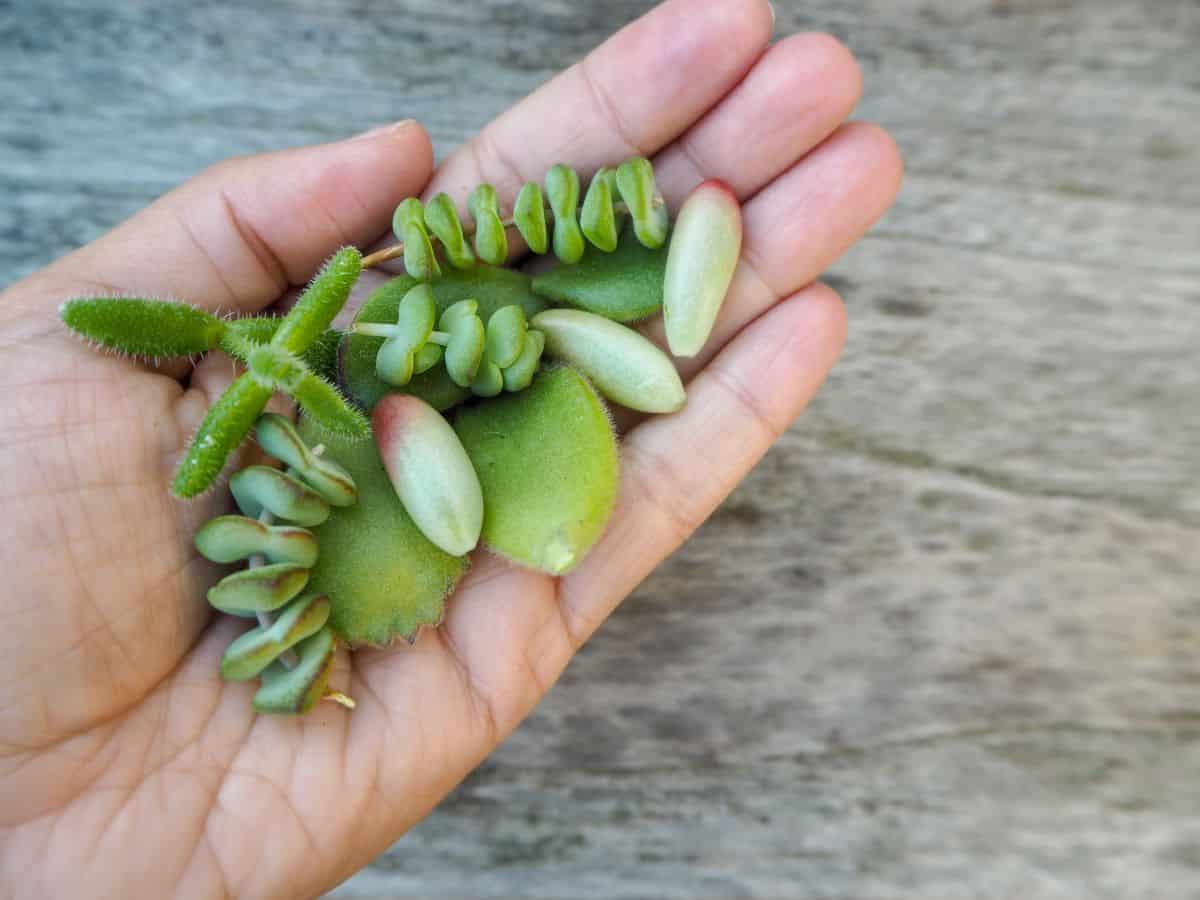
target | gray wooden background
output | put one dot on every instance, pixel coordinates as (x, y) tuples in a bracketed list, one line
[(945, 642)]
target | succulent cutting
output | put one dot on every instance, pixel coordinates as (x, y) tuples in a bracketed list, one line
[(466, 405)]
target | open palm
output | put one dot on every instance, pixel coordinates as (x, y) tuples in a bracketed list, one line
[(127, 768)]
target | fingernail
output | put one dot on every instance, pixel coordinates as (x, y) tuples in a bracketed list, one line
[(383, 129), (771, 7)]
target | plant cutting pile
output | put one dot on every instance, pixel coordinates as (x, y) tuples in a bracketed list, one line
[(466, 404)]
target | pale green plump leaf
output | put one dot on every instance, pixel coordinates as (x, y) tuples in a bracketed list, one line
[(598, 217), (263, 589), (625, 285), (704, 253), (547, 464), (430, 472), (491, 241), (635, 181), (464, 352), (442, 219), (227, 539), (278, 437), (147, 328), (529, 215), (384, 578), (297, 690), (520, 374), (562, 187), (506, 335), (625, 366), (247, 656), (489, 380), (257, 489)]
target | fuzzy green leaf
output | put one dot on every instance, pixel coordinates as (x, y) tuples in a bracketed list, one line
[(148, 328), (225, 426), (320, 303)]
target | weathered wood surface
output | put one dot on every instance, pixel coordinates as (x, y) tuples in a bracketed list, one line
[(945, 642)]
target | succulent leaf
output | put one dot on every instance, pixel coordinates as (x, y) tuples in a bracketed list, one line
[(297, 690), (383, 577), (442, 219), (625, 366), (147, 328), (562, 187), (257, 489), (491, 240), (700, 265), (598, 217), (506, 335), (635, 181), (320, 303), (227, 539), (225, 426), (547, 464), (529, 215), (520, 374), (278, 437), (430, 472), (247, 656), (261, 589)]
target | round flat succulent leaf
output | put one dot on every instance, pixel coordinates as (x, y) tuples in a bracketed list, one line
[(547, 463), (492, 287), (278, 437), (520, 374), (506, 335), (383, 577), (625, 285)]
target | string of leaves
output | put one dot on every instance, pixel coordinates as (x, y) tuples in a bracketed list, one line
[(292, 648), (627, 189)]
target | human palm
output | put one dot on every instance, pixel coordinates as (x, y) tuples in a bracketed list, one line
[(127, 768)]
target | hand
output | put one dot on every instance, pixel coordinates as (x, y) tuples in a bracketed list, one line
[(127, 767)]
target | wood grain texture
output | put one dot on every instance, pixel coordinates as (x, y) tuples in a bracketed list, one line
[(945, 642)]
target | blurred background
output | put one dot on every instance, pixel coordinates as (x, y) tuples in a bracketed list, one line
[(945, 641)]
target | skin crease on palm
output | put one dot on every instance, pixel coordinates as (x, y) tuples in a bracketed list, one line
[(127, 768)]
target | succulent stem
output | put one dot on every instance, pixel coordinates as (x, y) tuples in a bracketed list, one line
[(287, 658)]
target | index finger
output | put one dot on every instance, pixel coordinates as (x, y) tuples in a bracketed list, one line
[(631, 96)]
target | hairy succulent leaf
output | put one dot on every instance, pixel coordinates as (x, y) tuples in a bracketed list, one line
[(320, 303), (148, 328), (225, 426)]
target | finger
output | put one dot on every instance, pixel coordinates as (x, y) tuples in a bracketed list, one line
[(236, 236), (801, 90), (629, 97), (677, 469), (799, 224)]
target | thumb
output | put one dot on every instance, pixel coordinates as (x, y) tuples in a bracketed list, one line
[(242, 232)]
